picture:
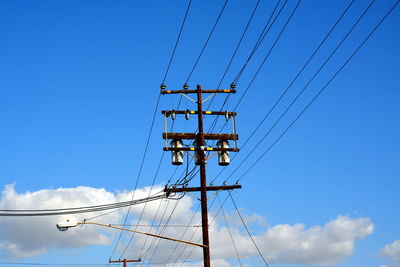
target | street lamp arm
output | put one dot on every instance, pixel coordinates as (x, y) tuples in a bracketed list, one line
[(139, 232)]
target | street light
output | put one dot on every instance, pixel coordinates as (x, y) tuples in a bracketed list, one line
[(64, 226)]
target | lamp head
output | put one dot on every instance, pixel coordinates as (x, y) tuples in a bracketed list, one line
[(63, 226)]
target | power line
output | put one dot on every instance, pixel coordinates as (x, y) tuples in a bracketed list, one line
[(208, 39), (261, 38), (177, 41), (68, 211), (151, 128), (140, 171), (145, 205), (322, 89), (263, 62), (247, 230), (268, 54), (305, 87), (184, 232), (51, 264), (194, 232), (229, 62), (229, 230), (235, 52), (293, 81)]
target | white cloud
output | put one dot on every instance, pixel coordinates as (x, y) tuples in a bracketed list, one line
[(315, 245), (30, 236), (392, 253)]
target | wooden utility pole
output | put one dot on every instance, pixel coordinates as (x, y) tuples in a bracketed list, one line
[(203, 180), (124, 261), (200, 150)]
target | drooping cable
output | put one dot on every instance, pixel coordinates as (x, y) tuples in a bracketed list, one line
[(235, 51), (206, 43), (230, 232), (145, 205), (177, 41), (305, 87), (320, 92), (183, 233), (140, 171), (165, 76), (261, 38), (67, 211), (247, 230), (261, 65), (194, 232), (292, 82), (267, 55)]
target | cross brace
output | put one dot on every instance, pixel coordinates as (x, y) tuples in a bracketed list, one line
[(169, 112), (208, 188), (207, 136), (164, 92), (124, 261), (196, 149)]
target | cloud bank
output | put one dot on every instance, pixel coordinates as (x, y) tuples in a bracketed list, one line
[(391, 252), (327, 244)]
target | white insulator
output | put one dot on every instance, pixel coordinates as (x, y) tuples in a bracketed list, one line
[(223, 156), (187, 112), (227, 115), (173, 114), (177, 156), (197, 154)]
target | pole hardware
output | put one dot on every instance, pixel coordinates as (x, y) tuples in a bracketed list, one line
[(199, 149), (124, 261)]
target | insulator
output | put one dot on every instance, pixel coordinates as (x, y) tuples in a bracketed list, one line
[(187, 112), (185, 86), (197, 154), (223, 156), (163, 86), (177, 156), (233, 85), (227, 116), (173, 114)]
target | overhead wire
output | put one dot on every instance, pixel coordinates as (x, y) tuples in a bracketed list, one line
[(194, 232), (265, 58), (321, 90), (342, 66), (310, 103), (261, 38), (184, 232), (248, 231), (268, 54), (293, 81), (197, 60), (139, 173), (177, 40), (271, 15), (68, 211), (304, 88), (145, 205), (208, 39), (162, 156), (230, 232), (236, 49)]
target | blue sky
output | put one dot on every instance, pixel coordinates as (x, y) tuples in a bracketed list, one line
[(80, 79)]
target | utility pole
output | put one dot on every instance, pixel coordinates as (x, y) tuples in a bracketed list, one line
[(199, 148), (124, 261)]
